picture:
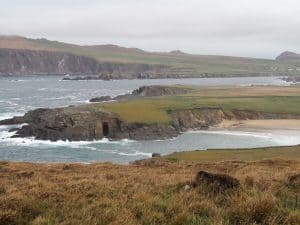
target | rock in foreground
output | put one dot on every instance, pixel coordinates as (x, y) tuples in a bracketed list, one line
[(218, 182)]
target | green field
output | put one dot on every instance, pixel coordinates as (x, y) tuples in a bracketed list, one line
[(285, 100), (287, 153)]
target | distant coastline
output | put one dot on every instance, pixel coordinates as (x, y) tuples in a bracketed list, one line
[(21, 56)]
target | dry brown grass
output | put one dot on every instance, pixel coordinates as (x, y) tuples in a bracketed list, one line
[(149, 193)]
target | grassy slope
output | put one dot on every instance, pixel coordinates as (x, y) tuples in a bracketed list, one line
[(155, 110), (183, 64), (150, 193), (289, 153)]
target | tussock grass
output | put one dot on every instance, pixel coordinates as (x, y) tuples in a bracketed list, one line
[(148, 193)]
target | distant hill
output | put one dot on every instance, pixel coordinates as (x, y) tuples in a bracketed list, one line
[(124, 61), (288, 56), (291, 58)]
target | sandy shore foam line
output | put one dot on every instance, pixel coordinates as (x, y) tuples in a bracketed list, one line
[(286, 124)]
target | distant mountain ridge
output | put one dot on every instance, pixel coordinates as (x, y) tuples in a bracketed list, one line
[(22, 56)]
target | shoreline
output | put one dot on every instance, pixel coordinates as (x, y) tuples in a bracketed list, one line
[(246, 125)]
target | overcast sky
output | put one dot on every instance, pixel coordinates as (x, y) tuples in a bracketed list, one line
[(255, 28)]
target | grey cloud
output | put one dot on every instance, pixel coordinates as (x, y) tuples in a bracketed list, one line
[(236, 27)]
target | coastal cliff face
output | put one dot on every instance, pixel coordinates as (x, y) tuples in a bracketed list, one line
[(30, 62), (77, 124), (24, 62), (197, 118), (68, 123)]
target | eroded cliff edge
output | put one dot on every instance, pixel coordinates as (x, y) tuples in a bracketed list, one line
[(32, 62)]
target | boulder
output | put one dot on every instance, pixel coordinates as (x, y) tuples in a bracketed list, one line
[(218, 182), (156, 155), (155, 90), (294, 180), (101, 99)]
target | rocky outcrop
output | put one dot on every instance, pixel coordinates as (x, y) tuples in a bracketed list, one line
[(68, 123), (197, 118), (155, 90), (292, 79), (90, 122), (146, 91), (101, 99), (25, 62), (76, 123)]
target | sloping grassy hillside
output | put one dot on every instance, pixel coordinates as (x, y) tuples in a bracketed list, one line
[(290, 153), (152, 192), (284, 100), (182, 64)]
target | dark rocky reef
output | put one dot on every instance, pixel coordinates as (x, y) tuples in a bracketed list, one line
[(146, 91), (70, 123), (151, 91), (292, 79), (83, 78), (31, 62), (101, 99), (80, 123)]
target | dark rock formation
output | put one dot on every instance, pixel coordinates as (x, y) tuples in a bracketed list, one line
[(81, 123), (146, 91), (150, 91), (217, 182), (25, 62), (293, 79), (294, 180), (156, 155), (101, 99), (83, 78), (197, 118), (90, 122), (68, 123)]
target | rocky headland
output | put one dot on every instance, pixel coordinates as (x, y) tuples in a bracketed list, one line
[(145, 91), (93, 122)]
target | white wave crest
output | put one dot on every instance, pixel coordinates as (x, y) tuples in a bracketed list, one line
[(136, 153), (9, 115), (234, 133)]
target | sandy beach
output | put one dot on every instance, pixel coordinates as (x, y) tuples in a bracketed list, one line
[(261, 124)]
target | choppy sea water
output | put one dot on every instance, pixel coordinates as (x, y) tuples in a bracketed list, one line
[(20, 94)]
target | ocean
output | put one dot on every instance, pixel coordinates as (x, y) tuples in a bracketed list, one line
[(18, 94)]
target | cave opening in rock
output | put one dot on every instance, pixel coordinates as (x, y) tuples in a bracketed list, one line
[(105, 128)]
